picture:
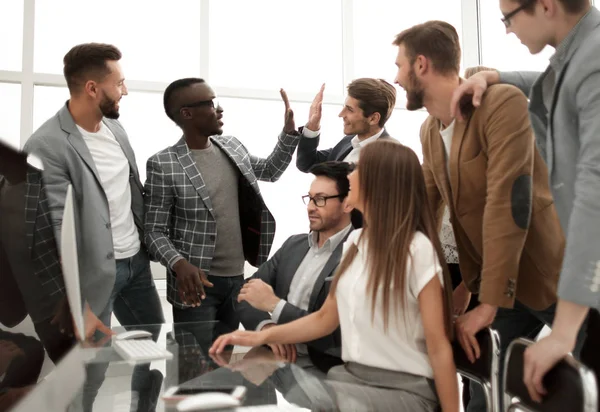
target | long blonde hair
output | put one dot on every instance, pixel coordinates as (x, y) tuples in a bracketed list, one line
[(392, 190)]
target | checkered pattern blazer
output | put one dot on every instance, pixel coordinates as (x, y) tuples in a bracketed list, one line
[(178, 211), (42, 243)]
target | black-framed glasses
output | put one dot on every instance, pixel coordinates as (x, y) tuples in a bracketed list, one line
[(507, 17), (212, 103), (319, 201)]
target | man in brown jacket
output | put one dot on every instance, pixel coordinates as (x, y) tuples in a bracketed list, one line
[(495, 183)]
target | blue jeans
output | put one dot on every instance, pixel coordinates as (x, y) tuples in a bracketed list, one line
[(520, 321), (135, 301)]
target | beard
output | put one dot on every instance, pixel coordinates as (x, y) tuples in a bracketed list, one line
[(109, 108), (414, 93)]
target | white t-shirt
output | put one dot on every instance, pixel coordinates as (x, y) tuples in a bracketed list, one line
[(364, 341), (113, 168), (447, 138)]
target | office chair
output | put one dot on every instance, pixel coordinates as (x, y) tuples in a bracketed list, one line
[(570, 385), (485, 369)]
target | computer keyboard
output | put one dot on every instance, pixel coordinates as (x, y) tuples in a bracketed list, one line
[(141, 350)]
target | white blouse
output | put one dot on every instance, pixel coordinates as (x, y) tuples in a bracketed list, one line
[(364, 341)]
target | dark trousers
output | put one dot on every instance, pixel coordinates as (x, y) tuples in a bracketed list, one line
[(454, 270), (197, 328)]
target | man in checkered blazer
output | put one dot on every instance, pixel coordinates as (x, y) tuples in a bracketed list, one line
[(204, 214)]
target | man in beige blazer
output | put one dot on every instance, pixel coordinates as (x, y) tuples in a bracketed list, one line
[(495, 183)]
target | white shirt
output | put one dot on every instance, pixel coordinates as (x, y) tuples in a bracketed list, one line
[(364, 341), (357, 145), (447, 139), (113, 168), (447, 233)]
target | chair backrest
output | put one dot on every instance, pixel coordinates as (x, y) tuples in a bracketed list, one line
[(570, 385), (484, 370)]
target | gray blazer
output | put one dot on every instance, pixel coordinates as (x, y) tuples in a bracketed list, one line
[(279, 272), (67, 160), (569, 138)]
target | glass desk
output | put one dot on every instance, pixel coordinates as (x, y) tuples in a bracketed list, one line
[(113, 384)]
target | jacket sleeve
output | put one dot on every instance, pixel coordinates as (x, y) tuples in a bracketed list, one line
[(522, 80), (508, 203), (56, 180), (267, 272), (271, 168), (158, 205), (580, 275), (308, 155)]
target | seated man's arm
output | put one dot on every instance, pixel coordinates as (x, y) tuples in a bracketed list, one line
[(251, 317)]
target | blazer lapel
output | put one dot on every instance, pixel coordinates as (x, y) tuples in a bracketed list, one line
[(438, 161), (76, 140), (189, 166), (458, 137)]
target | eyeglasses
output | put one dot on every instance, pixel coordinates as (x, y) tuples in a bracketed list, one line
[(507, 17), (212, 103), (319, 201)]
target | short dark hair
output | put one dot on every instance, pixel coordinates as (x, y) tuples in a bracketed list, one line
[(170, 92), (437, 41), (570, 6), (86, 61), (374, 96), (337, 171)]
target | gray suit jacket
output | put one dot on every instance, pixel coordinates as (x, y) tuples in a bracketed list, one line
[(67, 160), (569, 138), (279, 272), (309, 155)]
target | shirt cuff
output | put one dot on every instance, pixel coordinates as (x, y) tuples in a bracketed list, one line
[(277, 311), (306, 132), (265, 323), (177, 259)]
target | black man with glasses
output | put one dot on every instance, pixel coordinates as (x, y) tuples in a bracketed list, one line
[(205, 215), (295, 281)]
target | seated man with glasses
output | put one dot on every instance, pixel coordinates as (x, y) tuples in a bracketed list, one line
[(295, 281), (204, 212)]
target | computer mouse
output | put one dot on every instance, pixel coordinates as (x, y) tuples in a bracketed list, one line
[(208, 401), (133, 334)]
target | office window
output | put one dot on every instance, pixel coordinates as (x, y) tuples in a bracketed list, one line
[(377, 22), (504, 51), (405, 126), (269, 44), (160, 41), (10, 107), (11, 34), (257, 123)]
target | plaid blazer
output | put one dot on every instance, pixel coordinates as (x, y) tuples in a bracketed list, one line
[(38, 283), (41, 241), (178, 211)]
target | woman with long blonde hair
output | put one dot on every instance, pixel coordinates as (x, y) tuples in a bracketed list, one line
[(388, 296)]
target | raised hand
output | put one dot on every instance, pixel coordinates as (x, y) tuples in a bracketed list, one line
[(316, 108), (289, 126)]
